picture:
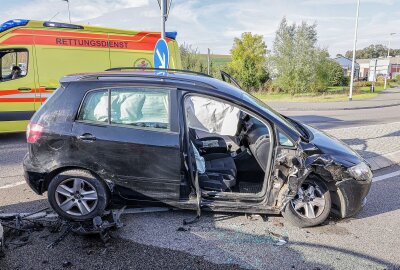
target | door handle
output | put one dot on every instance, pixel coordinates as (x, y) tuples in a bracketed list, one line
[(50, 88), (24, 89), (87, 137)]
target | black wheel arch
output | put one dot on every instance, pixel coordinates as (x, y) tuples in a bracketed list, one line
[(56, 171)]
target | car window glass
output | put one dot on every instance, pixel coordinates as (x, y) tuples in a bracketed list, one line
[(14, 64), (95, 107), (140, 107), (284, 140)]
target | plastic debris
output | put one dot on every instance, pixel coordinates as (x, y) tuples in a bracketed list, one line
[(280, 242)]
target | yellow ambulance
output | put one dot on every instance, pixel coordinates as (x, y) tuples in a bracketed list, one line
[(34, 55)]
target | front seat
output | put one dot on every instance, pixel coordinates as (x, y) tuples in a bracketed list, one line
[(220, 163), (207, 145), (220, 170), (260, 150)]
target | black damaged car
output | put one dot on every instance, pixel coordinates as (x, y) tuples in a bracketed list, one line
[(188, 141)]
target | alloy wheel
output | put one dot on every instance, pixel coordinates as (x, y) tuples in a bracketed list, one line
[(76, 196), (309, 201)]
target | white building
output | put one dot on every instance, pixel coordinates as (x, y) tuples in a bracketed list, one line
[(374, 68)]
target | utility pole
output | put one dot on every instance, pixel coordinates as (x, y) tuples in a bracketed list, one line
[(208, 61), (354, 53), (388, 54)]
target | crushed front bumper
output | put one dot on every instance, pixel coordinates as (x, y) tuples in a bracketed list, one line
[(352, 195)]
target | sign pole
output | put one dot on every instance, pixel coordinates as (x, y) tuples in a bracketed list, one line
[(163, 8)]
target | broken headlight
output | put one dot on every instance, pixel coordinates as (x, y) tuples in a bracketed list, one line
[(360, 172)]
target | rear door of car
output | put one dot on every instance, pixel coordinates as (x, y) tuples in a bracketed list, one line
[(131, 134)]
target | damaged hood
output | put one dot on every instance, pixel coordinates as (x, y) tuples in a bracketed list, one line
[(338, 150)]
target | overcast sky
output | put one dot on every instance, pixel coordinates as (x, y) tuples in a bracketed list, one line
[(214, 24)]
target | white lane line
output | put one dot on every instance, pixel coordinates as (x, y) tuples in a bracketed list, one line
[(385, 176), (13, 185)]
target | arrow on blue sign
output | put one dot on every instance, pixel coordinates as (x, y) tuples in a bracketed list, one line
[(161, 54)]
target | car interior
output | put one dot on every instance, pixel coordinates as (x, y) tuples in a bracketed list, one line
[(230, 147)]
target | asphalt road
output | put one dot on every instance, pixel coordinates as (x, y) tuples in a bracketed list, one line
[(346, 118), (218, 241), (328, 115)]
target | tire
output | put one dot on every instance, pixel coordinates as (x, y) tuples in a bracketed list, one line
[(307, 205), (77, 195)]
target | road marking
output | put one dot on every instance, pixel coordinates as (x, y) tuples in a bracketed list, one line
[(13, 185), (385, 176)]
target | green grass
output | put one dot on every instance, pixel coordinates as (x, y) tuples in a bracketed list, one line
[(334, 93)]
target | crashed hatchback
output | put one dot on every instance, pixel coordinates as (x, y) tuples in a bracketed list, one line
[(187, 141)]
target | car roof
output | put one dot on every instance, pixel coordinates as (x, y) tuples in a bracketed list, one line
[(157, 76)]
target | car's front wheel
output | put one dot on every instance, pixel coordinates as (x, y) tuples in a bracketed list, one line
[(77, 195), (311, 206)]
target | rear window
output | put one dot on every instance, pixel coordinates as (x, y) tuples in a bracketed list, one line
[(131, 107)]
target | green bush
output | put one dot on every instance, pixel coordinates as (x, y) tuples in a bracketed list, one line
[(345, 81), (363, 83), (335, 74)]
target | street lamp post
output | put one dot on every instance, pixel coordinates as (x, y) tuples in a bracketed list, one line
[(354, 53), (388, 54), (69, 11)]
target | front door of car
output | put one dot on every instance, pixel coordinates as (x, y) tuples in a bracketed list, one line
[(240, 173), (130, 134)]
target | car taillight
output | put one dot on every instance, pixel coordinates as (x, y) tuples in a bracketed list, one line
[(33, 133)]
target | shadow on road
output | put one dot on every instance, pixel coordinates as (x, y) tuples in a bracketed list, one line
[(155, 241), (382, 198)]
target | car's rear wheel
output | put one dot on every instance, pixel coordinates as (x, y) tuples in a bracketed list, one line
[(77, 195), (311, 206)]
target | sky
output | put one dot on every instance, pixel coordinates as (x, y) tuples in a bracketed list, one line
[(214, 24)]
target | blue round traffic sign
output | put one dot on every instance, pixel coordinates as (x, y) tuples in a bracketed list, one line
[(161, 54)]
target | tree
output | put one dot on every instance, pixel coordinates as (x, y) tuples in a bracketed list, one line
[(298, 65), (373, 51), (194, 61), (248, 61), (335, 73), (191, 58)]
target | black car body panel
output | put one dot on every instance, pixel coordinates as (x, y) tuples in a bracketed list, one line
[(152, 166)]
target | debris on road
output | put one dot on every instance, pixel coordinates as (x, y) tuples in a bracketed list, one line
[(280, 242), (19, 226)]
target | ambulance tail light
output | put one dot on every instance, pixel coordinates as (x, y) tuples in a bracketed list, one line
[(33, 132)]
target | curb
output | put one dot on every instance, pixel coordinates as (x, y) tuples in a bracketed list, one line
[(383, 161)]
